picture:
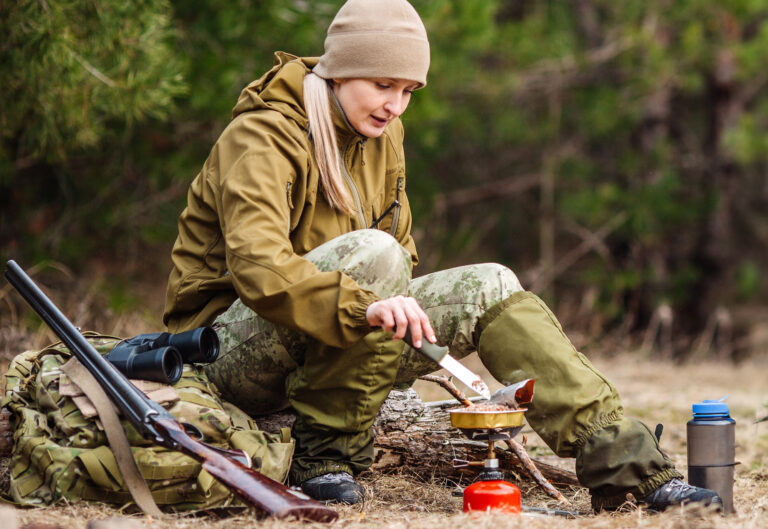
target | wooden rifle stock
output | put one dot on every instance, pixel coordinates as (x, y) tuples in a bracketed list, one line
[(156, 423), (253, 487)]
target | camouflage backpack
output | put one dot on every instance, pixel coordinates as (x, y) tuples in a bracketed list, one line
[(61, 452)]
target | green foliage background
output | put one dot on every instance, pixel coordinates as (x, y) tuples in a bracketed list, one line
[(612, 153)]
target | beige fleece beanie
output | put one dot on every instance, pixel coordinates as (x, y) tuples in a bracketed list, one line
[(376, 38)]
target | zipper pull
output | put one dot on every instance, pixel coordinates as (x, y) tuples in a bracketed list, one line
[(362, 152), (386, 212)]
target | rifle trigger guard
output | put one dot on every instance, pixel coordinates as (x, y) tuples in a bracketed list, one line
[(192, 431)]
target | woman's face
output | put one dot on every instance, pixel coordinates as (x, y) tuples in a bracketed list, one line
[(370, 104)]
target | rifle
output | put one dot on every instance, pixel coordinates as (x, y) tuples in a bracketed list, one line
[(155, 423)]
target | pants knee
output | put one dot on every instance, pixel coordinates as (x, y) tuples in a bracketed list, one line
[(499, 283), (378, 263)]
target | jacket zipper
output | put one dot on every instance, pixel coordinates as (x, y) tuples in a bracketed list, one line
[(396, 214), (352, 185)]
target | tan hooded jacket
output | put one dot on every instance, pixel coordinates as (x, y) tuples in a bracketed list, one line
[(256, 208)]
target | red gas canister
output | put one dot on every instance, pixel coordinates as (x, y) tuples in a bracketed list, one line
[(495, 495)]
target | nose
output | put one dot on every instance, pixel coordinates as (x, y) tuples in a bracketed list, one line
[(396, 104)]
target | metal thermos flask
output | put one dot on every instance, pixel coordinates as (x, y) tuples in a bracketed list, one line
[(711, 449)]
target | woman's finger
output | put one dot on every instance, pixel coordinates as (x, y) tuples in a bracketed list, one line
[(378, 315), (413, 312), (401, 320), (421, 320), (426, 327), (399, 314)]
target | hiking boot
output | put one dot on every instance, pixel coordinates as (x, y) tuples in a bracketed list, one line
[(678, 492), (335, 487)]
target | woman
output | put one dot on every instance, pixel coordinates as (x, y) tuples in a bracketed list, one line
[(296, 246)]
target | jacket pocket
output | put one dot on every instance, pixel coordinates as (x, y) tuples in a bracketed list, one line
[(393, 208), (396, 212)]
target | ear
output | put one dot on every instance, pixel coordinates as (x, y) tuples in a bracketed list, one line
[(335, 84)]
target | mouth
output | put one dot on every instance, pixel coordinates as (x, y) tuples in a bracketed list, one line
[(379, 121)]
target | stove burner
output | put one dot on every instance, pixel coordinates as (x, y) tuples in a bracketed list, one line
[(491, 434)]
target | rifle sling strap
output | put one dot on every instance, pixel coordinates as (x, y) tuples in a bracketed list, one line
[(116, 437)]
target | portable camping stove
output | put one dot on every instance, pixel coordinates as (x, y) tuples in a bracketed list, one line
[(490, 492)]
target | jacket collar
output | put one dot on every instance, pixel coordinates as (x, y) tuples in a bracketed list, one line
[(344, 128)]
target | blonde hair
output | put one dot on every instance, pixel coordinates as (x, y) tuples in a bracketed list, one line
[(317, 97)]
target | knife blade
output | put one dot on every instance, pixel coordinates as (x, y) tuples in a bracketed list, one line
[(450, 364), (514, 395)]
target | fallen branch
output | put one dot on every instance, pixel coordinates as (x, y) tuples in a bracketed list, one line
[(533, 471), (450, 387)]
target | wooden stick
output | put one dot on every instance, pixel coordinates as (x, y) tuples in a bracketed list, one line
[(529, 466), (450, 387)]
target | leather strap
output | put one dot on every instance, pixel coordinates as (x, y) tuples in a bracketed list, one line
[(116, 437)]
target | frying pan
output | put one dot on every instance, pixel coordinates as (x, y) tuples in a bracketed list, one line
[(502, 411)]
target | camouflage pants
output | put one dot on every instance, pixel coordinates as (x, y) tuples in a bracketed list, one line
[(257, 356), (337, 393)]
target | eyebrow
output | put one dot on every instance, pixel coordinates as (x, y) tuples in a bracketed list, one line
[(413, 86)]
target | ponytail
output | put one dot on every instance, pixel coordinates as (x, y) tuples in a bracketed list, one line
[(317, 96)]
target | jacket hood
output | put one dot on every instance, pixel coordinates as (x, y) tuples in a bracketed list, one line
[(280, 89)]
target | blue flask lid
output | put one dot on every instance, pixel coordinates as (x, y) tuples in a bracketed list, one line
[(711, 408)]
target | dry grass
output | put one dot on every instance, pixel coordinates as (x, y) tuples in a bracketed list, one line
[(397, 503), (653, 390)]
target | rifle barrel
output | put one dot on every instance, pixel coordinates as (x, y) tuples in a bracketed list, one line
[(121, 392), (151, 419)]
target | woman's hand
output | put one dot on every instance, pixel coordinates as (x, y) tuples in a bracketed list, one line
[(398, 314)]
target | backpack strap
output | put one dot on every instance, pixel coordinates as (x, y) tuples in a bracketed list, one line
[(118, 442)]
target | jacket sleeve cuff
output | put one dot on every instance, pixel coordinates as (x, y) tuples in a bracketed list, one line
[(360, 306)]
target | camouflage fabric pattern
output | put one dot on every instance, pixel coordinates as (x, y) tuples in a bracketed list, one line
[(577, 412), (256, 356), (337, 392), (61, 455), (454, 300)]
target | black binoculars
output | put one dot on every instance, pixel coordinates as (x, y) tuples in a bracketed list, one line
[(161, 356)]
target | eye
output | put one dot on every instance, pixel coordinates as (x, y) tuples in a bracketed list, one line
[(383, 86)]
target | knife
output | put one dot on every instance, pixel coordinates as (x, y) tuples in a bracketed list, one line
[(450, 364), (515, 395)]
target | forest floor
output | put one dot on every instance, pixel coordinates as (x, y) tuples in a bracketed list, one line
[(653, 390)]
